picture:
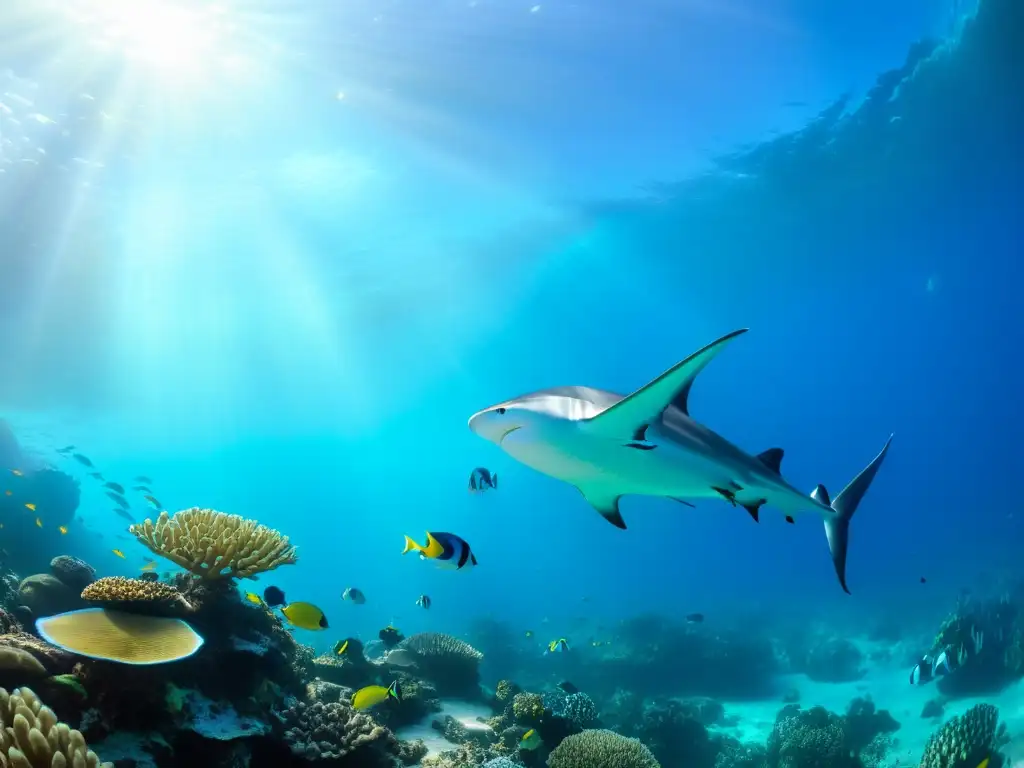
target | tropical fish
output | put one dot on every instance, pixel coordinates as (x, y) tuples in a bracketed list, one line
[(305, 616), (141, 489), (121, 501), (253, 598), (273, 596), (529, 633), (66, 449), (82, 459), (63, 529), (481, 479), (647, 444), (401, 657), (694, 618), (96, 475), (39, 523), (568, 687), (984, 763), (531, 740), (149, 566), (354, 594), (115, 487), (142, 479), (69, 681), (423, 601), (30, 506), (340, 647), (17, 473), (372, 695), (124, 513), (119, 553), (931, 667), (558, 646), (152, 500), (446, 549)]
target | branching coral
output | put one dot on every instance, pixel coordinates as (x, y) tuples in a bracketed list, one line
[(601, 749), (215, 545), (333, 730), (137, 595), (966, 740), (31, 736)]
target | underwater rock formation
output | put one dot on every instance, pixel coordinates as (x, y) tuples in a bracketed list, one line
[(46, 595), (214, 545), (965, 741)]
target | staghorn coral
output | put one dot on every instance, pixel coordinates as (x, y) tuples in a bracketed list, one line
[(966, 740), (215, 545), (330, 731), (32, 737), (601, 749), (451, 664), (137, 596), (76, 573)]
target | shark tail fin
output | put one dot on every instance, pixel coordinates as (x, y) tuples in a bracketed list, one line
[(837, 526)]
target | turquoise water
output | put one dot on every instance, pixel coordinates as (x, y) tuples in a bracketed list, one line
[(274, 256)]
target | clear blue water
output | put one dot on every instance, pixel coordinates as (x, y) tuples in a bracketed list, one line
[(277, 266)]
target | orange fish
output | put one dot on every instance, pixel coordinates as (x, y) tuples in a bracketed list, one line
[(39, 523), (31, 507), (118, 552), (63, 529)]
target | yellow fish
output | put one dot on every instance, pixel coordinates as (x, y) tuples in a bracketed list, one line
[(39, 523), (558, 646), (305, 616), (531, 740), (150, 566), (372, 695), (63, 529), (340, 647), (253, 598), (17, 473), (983, 763), (31, 507), (118, 552)]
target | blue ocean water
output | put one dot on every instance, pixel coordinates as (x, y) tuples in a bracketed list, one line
[(275, 261)]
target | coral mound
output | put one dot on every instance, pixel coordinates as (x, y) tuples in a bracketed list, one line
[(438, 645), (31, 736), (136, 595), (449, 663), (601, 749), (966, 740), (76, 573), (215, 545)]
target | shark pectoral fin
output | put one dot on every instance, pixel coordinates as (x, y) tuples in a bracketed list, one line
[(754, 508), (628, 417), (605, 502)]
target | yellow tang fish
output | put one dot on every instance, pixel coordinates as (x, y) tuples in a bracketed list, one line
[(39, 523), (63, 529), (30, 506), (305, 616), (253, 598), (372, 695), (531, 740), (118, 552), (340, 647)]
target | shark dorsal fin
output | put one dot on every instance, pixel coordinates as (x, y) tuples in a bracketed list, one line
[(630, 415), (772, 458)]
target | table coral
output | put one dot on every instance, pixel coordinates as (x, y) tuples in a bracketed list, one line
[(32, 737), (215, 545)]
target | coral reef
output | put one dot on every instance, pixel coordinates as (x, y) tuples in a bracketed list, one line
[(447, 662), (32, 737), (989, 634), (214, 545), (46, 595), (137, 596), (77, 574), (966, 740), (601, 749)]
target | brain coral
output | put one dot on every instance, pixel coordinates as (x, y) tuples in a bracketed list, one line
[(601, 749), (214, 545), (31, 736), (76, 573)]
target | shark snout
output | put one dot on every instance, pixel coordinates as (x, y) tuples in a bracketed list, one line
[(492, 424)]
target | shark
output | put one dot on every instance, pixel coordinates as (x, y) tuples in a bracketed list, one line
[(609, 445)]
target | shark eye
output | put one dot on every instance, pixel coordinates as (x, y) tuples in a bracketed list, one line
[(499, 411)]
